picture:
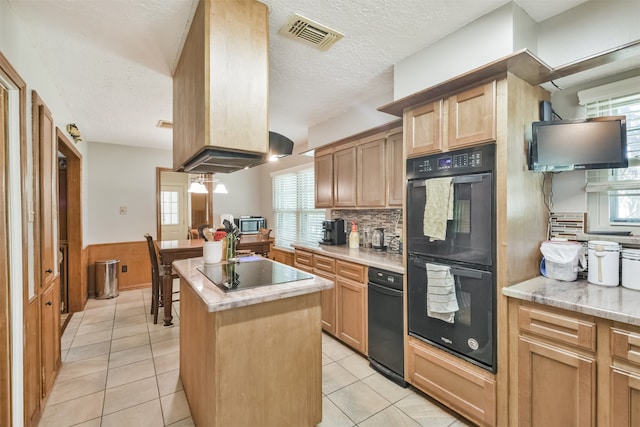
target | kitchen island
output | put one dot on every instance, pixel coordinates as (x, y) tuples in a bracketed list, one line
[(251, 356)]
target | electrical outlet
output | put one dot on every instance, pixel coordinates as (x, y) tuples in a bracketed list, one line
[(124, 268), (399, 233)]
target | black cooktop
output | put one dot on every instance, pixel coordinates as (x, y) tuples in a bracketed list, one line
[(250, 272)]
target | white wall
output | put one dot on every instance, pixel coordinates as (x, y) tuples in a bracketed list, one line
[(243, 196), (124, 176)]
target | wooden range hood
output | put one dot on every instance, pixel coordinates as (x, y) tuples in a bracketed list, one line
[(220, 89)]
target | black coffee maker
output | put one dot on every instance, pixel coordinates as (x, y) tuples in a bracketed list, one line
[(333, 232)]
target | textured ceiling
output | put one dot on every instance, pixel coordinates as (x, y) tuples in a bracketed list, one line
[(112, 60)]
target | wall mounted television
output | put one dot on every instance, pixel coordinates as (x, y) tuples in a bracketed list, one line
[(564, 145)]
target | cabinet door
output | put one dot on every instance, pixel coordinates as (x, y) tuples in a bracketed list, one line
[(344, 177), (472, 116), (557, 387), (395, 168), (351, 317), (328, 304), (371, 169), (50, 335), (625, 398), (324, 180), (303, 260), (422, 129)]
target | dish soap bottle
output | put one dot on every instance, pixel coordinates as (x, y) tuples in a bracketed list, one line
[(354, 238)]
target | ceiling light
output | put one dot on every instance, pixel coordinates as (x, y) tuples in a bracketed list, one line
[(220, 188), (197, 186)]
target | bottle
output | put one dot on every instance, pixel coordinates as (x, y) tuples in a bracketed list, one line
[(354, 238)]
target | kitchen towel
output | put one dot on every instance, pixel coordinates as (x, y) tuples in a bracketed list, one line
[(441, 293), (438, 208)]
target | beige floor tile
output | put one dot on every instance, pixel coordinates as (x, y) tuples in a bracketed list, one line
[(175, 407), (357, 365), (96, 315), (88, 351), (72, 389), (93, 303), (91, 328), (334, 377), (131, 394), (332, 416), (187, 422), (166, 346), (82, 340), (390, 416), (336, 351), (91, 423), (169, 382), (129, 310), (167, 362), (326, 359), (148, 414), (130, 373), (358, 401), (164, 334), (130, 321), (461, 423), (386, 388), (65, 342), (74, 411), (128, 331), (132, 341), (132, 355), (83, 367), (425, 412)]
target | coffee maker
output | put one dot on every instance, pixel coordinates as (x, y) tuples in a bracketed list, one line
[(333, 232)]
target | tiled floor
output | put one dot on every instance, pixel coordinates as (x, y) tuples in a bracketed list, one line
[(119, 369)]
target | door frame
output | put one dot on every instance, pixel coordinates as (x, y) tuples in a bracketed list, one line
[(77, 292), (12, 298)]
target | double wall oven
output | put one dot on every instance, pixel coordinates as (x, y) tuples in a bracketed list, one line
[(467, 253)]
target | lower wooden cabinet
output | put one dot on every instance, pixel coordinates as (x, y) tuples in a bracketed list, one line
[(625, 398), (466, 389), (328, 305), (352, 312)]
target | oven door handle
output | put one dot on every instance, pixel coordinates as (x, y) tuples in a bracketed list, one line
[(466, 179), (460, 272)]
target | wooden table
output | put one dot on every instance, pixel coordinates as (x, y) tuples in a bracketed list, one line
[(172, 250)]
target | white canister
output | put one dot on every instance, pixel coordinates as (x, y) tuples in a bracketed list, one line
[(631, 268), (212, 252), (604, 263)]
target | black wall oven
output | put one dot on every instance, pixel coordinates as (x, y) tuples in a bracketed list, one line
[(466, 252)]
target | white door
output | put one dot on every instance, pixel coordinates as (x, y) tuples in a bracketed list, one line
[(173, 212)]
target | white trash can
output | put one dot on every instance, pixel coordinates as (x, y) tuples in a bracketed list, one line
[(107, 278), (562, 259)]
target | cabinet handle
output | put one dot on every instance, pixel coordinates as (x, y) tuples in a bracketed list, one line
[(49, 303), (49, 270)]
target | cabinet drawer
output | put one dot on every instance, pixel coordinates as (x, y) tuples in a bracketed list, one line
[(304, 260), (565, 329), (355, 272), (625, 345), (324, 263)]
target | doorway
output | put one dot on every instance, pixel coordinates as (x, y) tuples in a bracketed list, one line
[(73, 288)]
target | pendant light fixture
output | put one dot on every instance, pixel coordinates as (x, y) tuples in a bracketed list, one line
[(220, 187), (197, 186)]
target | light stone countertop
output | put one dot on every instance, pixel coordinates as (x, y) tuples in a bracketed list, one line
[(379, 259), (217, 300), (608, 302)]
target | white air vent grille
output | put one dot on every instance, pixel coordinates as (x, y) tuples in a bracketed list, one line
[(310, 32), (164, 124)]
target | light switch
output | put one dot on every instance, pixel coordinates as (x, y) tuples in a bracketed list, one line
[(123, 210)]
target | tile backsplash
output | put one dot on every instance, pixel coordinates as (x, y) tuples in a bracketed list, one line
[(388, 219)]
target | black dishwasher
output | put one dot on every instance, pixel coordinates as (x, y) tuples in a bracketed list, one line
[(386, 347)]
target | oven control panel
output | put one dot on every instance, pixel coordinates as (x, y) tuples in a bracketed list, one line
[(470, 160)]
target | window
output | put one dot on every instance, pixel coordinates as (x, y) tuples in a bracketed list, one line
[(296, 219), (614, 194), (169, 207)]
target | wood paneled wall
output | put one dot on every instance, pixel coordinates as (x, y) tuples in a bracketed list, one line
[(134, 255)]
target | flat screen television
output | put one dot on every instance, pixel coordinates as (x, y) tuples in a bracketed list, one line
[(564, 145)]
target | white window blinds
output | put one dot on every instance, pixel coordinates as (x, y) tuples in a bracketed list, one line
[(296, 219)]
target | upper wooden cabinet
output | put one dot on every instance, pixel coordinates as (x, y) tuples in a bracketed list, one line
[(423, 129), (395, 169), (220, 85), (323, 169), (472, 118), (344, 177), (371, 170)]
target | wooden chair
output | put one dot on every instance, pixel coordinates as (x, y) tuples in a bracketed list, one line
[(156, 285)]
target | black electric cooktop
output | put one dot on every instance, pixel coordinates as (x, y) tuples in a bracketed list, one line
[(250, 272)]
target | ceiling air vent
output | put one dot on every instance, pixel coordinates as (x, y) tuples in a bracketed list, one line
[(310, 32)]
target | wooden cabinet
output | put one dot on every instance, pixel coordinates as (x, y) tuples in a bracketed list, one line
[(222, 78), (351, 298), (344, 177), (423, 129), (50, 335), (472, 118), (325, 267), (282, 256), (371, 169), (395, 169), (625, 377), (323, 170), (303, 260), (467, 389)]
